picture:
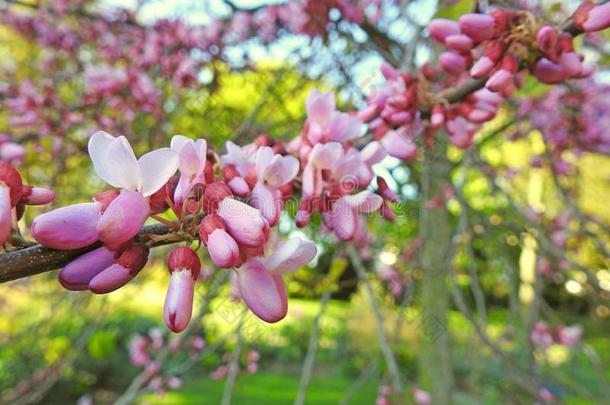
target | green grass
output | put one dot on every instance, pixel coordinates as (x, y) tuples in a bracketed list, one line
[(267, 388)]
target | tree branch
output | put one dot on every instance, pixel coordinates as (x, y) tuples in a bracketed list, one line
[(39, 259)]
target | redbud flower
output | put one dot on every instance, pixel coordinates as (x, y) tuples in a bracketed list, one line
[(36, 195), (479, 27), (273, 172), (126, 265), (79, 272), (590, 17), (191, 163), (260, 280), (503, 77), (70, 227), (546, 39), (441, 28), (11, 189), (399, 145), (114, 161), (453, 63), (346, 212), (549, 72), (222, 247), (184, 266)]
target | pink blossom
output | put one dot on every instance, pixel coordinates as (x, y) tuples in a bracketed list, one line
[(191, 163), (184, 266)]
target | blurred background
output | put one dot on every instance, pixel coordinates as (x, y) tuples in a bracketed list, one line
[(523, 307)]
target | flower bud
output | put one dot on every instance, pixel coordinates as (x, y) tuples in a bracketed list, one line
[(36, 195), (453, 63), (125, 267), (223, 249), (79, 272), (598, 18), (479, 27), (503, 77), (546, 39), (184, 266), (460, 43), (438, 117), (105, 198), (385, 191), (6, 217), (123, 219), (548, 72), (215, 193), (12, 179), (244, 223), (70, 227), (441, 28)]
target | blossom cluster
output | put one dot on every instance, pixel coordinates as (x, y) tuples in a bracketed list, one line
[(229, 203), (496, 48), (544, 335)]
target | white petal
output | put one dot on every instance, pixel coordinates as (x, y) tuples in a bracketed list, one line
[(178, 142), (325, 156), (157, 168), (263, 159), (121, 166), (99, 145), (364, 202), (291, 255), (281, 170)]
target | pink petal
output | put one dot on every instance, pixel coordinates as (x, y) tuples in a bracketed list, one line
[(344, 220), (178, 306), (223, 249), (239, 186), (263, 293), (70, 227), (324, 156), (343, 127), (123, 219), (264, 156), (373, 153), (6, 216), (268, 202), (79, 272), (364, 202), (399, 146), (157, 168), (320, 106), (38, 196), (110, 279), (291, 256), (245, 223), (281, 170)]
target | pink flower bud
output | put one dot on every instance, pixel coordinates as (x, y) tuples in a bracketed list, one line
[(244, 223), (598, 18), (6, 216), (79, 272), (369, 113), (214, 194), (453, 63), (503, 77), (482, 67), (441, 28), (479, 27), (36, 195), (12, 179), (239, 186), (460, 43), (264, 293), (302, 218), (123, 219), (124, 268), (222, 247), (184, 265), (571, 63), (546, 39), (549, 72), (70, 227)]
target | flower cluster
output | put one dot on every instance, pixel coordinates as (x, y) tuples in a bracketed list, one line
[(544, 336), (252, 358), (229, 203), (496, 48)]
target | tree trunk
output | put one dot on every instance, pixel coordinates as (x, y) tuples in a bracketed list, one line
[(435, 368)]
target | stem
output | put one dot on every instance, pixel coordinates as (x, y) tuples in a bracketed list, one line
[(383, 339), (311, 352), (435, 368), (234, 366)]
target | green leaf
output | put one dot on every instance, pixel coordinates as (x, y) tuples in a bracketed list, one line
[(454, 12)]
